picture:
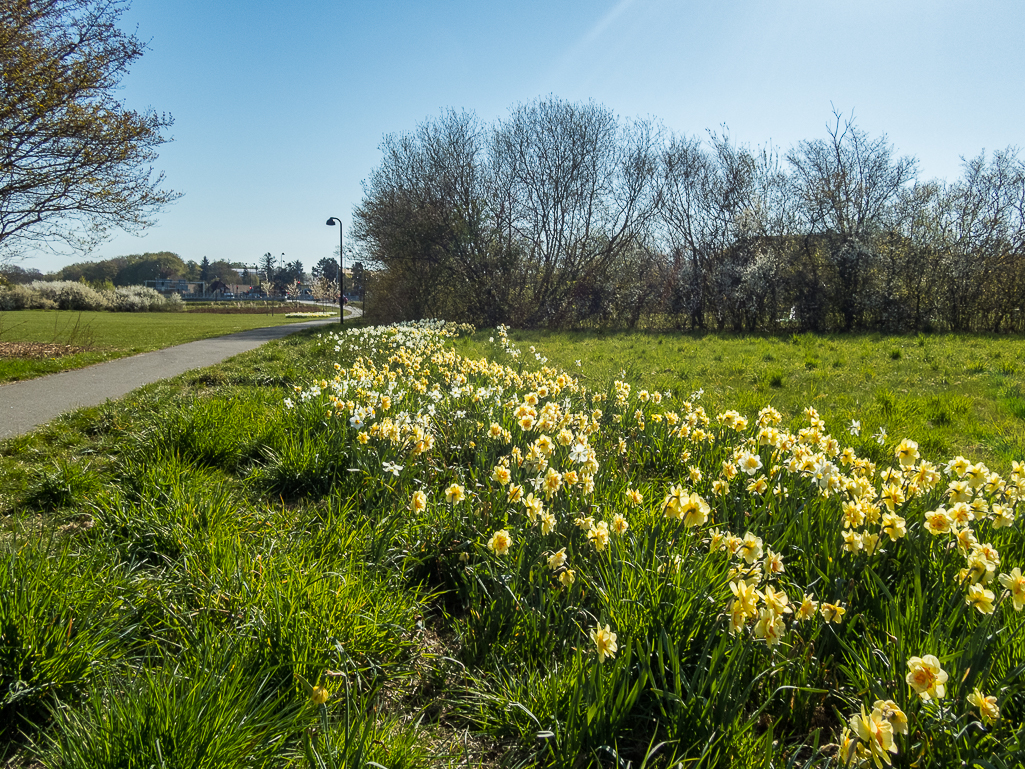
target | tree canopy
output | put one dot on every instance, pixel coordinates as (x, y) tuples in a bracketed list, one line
[(75, 162)]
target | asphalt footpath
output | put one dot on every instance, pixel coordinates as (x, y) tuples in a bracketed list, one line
[(27, 405)]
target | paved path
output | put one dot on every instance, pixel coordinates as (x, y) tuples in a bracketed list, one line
[(26, 405)]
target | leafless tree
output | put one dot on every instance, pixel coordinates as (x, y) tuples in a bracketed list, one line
[(574, 189), (848, 187)]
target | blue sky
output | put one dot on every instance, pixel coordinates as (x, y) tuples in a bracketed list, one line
[(279, 108)]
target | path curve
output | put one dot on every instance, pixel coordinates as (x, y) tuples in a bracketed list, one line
[(29, 404)]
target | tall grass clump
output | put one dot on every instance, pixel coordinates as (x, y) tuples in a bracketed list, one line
[(62, 619), (627, 577)]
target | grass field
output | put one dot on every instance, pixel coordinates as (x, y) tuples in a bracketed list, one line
[(100, 336), (423, 547)]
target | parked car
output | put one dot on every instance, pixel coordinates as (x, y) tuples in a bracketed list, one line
[(228, 295)]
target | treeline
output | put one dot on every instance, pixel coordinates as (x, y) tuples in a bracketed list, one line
[(130, 270), (565, 215)]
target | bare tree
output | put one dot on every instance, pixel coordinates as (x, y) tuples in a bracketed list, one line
[(848, 187), (984, 243), (574, 188)]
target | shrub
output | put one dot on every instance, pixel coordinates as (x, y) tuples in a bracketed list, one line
[(69, 295), (144, 299), (22, 297)]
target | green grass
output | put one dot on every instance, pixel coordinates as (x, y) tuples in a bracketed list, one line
[(109, 335), (181, 568)]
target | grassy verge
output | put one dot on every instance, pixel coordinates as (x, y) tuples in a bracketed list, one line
[(100, 336), (404, 547)]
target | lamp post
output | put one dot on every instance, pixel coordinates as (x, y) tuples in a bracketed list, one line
[(341, 270)]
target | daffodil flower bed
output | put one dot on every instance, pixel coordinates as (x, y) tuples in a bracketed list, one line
[(622, 570), (311, 315)]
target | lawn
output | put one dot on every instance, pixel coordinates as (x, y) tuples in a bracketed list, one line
[(64, 340), (423, 546)]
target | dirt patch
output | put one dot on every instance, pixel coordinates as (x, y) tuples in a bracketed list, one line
[(37, 350)]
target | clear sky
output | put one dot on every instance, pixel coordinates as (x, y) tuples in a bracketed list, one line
[(280, 108)]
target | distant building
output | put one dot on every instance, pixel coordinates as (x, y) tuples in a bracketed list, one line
[(187, 288)]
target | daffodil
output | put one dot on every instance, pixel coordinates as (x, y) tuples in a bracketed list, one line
[(557, 560), (599, 536), (907, 452), (1015, 583), (769, 626), (455, 493), (547, 523), (605, 640), (981, 598), (832, 613), (809, 606), (876, 734), (894, 526), (694, 510), (987, 706), (747, 597), (500, 542), (889, 710), (926, 677), (319, 695), (751, 548)]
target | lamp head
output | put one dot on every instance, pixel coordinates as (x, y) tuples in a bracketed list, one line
[(332, 221)]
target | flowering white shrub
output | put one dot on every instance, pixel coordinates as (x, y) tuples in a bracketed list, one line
[(72, 295)]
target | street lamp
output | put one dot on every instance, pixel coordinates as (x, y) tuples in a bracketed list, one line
[(341, 270)]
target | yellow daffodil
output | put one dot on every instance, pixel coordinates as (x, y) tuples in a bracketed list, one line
[(547, 523), (455, 493), (769, 626), (889, 710), (500, 542), (894, 526), (876, 734), (319, 695), (747, 597), (926, 677), (832, 613), (808, 608), (987, 706), (1015, 583), (605, 640), (557, 560), (981, 598), (751, 548)]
